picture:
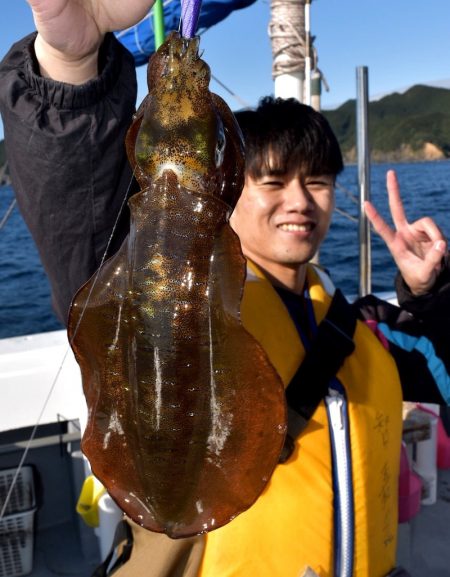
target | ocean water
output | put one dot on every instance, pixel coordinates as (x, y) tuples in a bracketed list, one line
[(425, 191), (25, 303)]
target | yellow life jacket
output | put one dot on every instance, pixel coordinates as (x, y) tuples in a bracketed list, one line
[(291, 527)]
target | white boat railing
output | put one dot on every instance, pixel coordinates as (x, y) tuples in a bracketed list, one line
[(37, 369)]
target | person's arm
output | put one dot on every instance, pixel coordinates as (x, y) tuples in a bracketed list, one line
[(432, 310), (72, 31), (420, 349), (65, 148), (67, 96), (417, 331), (433, 304), (418, 248)]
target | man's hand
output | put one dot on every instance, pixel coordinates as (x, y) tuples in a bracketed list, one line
[(71, 31), (417, 248)]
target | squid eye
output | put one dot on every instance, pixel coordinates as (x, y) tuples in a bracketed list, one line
[(220, 145)]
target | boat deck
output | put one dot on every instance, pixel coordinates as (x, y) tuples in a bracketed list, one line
[(60, 551), (424, 542)]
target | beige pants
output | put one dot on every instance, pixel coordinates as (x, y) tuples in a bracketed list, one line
[(155, 555)]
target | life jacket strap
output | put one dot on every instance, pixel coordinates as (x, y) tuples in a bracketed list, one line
[(332, 343)]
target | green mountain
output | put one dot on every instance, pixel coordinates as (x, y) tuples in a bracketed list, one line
[(414, 125)]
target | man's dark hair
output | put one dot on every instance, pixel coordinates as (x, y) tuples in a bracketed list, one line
[(283, 136)]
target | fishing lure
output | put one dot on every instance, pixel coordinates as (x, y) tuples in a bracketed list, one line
[(186, 415)]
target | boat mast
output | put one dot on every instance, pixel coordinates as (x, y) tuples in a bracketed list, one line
[(307, 87), (292, 54), (294, 61)]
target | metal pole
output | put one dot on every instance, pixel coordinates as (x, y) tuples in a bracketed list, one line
[(308, 52), (316, 89), (362, 107)]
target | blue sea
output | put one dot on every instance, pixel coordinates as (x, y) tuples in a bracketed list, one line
[(25, 305)]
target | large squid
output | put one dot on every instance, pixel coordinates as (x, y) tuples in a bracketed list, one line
[(186, 415)]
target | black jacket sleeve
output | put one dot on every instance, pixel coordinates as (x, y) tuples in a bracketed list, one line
[(432, 305), (418, 335), (431, 310), (66, 153)]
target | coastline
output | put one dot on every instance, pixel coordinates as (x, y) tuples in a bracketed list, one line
[(428, 153)]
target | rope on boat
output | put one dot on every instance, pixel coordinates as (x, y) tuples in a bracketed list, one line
[(287, 35), (31, 437), (8, 213), (347, 193), (346, 214), (351, 197), (241, 101), (288, 39)]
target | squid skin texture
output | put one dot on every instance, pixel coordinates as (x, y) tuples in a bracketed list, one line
[(186, 415)]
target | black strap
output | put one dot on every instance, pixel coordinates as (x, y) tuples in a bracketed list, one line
[(331, 345), (398, 572), (123, 535)]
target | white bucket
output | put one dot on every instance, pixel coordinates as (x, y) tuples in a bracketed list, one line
[(426, 458), (109, 517)]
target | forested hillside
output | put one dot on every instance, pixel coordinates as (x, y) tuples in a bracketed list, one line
[(414, 125)]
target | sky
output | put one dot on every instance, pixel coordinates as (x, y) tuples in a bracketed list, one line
[(402, 42)]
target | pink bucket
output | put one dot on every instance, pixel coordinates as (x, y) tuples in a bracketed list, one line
[(410, 489)]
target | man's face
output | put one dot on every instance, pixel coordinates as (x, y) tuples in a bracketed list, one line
[(281, 220)]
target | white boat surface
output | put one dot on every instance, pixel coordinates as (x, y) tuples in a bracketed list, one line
[(36, 370)]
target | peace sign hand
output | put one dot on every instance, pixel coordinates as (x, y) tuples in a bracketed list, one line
[(417, 248)]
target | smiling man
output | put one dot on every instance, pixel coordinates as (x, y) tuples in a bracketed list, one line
[(284, 212), (338, 479)]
